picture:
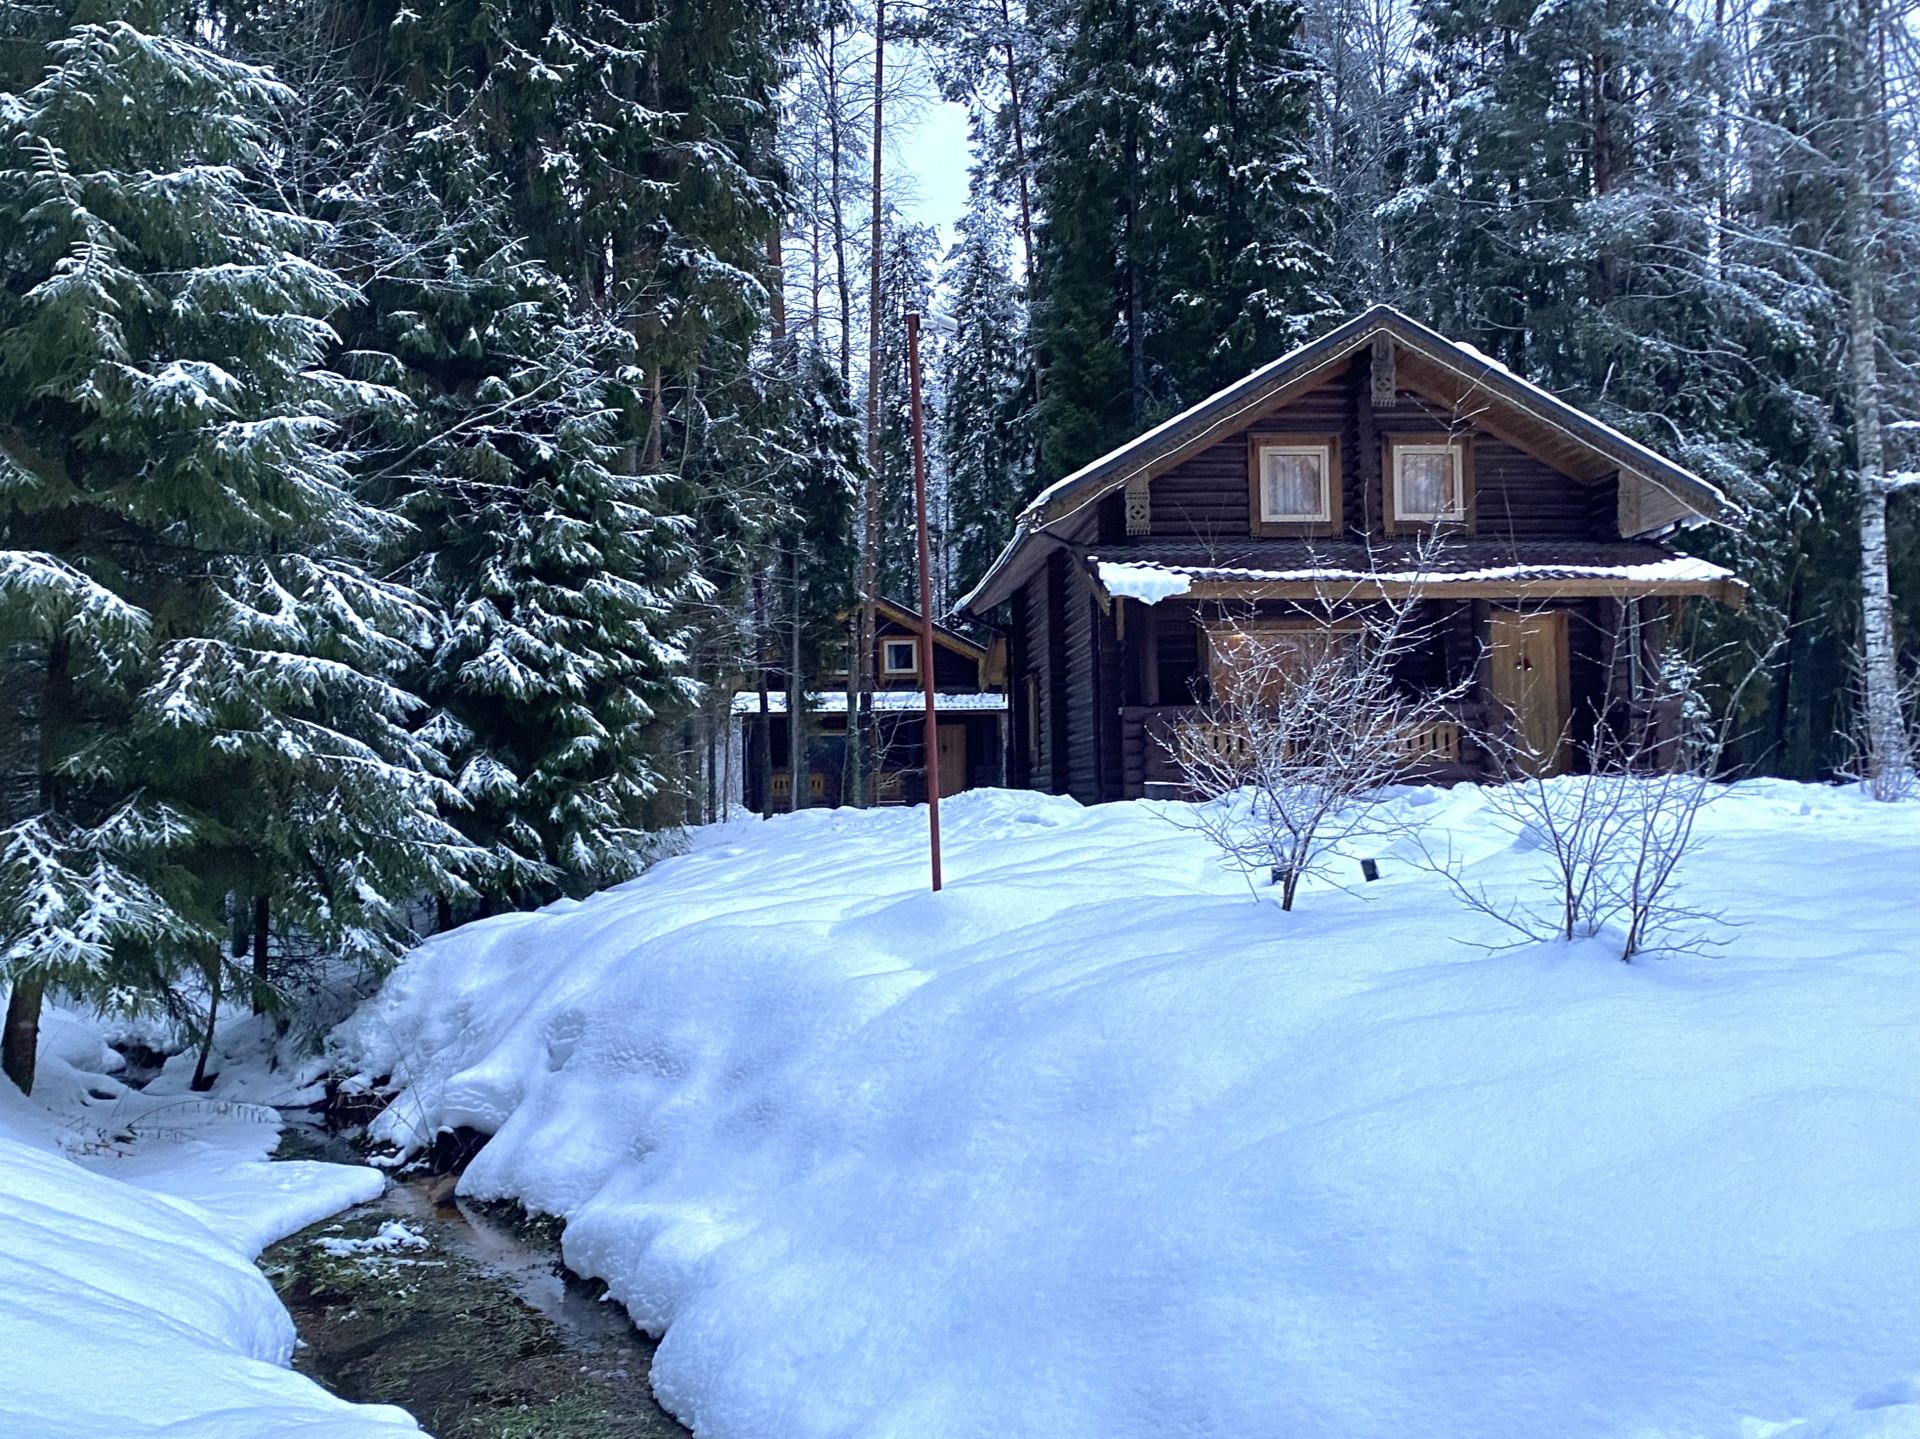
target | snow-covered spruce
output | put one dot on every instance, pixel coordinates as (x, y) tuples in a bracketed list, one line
[(209, 702), (1091, 1145)]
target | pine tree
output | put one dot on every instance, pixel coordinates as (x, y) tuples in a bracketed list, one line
[(214, 663)]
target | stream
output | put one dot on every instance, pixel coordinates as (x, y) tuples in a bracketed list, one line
[(460, 1313)]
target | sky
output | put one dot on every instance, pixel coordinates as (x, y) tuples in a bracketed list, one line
[(933, 153)]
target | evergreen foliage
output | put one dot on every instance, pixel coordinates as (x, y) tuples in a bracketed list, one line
[(186, 559), (906, 284), (982, 445), (1181, 239)]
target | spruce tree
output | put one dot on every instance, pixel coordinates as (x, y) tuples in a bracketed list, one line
[(982, 447), (212, 658), (907, 262), (1182, 236), (1240, 221)]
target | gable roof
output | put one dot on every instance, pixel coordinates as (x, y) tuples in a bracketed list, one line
[(909, 619), (1655, 492)]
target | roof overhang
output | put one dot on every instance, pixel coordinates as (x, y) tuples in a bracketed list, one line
[(1655, 493), (1679, 576)]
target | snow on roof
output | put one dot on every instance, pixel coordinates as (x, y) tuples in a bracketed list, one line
[(1148, 583), (1161, 580), (834, 702)]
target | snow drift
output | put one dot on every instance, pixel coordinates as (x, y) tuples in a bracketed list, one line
[(1091, 1145), (129, 1305)]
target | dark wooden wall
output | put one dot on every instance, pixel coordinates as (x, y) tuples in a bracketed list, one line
[(953, 673), (1517, 496)]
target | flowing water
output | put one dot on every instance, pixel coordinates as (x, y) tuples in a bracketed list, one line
[(461, 1314)]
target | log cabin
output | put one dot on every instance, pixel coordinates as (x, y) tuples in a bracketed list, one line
[(1380, 459), (970, 709)]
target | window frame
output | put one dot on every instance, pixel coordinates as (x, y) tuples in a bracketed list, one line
[(1397, 520), (1335, 627), (887, 667), (1328, 446)]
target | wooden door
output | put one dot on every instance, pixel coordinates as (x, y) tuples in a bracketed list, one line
[(952, 740), (1530, 679)]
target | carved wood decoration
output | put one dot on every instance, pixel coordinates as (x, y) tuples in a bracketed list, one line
[(1385, 385), (1139, 506)]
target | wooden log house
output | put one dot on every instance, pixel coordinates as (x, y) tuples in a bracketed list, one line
[(1308, 486), (970, 708)]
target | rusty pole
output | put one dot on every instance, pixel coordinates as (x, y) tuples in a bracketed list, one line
[(930, 730)]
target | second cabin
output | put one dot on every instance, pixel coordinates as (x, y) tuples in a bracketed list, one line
[(1131, 585), (969, 709)]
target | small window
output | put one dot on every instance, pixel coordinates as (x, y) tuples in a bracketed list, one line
[(897, 657), (1293, 484), (1429, 483)]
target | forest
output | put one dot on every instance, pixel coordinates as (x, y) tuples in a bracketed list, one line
[(416, 424)]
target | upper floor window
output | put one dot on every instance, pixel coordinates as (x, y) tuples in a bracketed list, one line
[(897, 657), (1432, 483), (1296, 484)]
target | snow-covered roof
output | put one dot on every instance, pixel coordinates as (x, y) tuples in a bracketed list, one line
[(1162, 572), (834, 702)]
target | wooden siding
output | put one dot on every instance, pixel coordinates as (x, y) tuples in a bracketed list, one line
[(1108, 685), (1044, 657), (1207, 495), (1020, 636), (1054, 688), (1518, 496), (1082, 775)]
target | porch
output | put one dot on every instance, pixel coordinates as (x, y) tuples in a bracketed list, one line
[(1546, 677), (1442, 751)]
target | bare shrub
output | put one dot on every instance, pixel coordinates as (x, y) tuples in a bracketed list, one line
[(1308, 726), (1614, 838)]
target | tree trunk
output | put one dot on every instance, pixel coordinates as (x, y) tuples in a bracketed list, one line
[(1888, 764), (201, 1081), (861, 724), (262, 985), (1019, 137), (1131, 244), (852, 779), (765, 767), (777, 288), (1020, 162), (796, 697), (836, 200), (20, 1042)]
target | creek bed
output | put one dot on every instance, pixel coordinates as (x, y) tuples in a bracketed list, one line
[(461, 1314)]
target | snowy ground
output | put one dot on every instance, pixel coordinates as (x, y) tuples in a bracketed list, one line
[(129, 1303), (1093, 1145)]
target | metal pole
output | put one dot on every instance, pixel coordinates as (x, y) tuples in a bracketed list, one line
[(930, 734)]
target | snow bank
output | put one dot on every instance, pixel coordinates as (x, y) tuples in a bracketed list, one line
[(129, 1304), (1091, 1145)]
